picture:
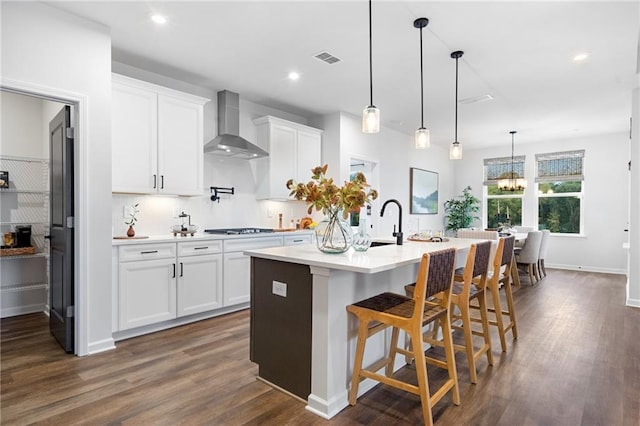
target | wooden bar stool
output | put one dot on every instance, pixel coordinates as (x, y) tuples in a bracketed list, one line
[(435, 276), (469, 284), (501, 274)]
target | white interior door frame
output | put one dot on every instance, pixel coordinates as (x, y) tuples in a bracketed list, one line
[(79, 121), (372, 172)]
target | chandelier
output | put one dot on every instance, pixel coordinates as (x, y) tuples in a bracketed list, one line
[(511, 181)]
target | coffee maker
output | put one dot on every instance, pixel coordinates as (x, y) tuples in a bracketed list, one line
[(23, 235)]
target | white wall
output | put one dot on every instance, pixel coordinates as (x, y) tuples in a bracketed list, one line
[(23, 133), (238, 210), (395, 154), (45, 48), (605, 198)]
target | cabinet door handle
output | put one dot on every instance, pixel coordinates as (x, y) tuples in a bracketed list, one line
[(181, 268), (155, 181), (149, 252), (174, 271), (161, 181), (200, 248), (298, 241)]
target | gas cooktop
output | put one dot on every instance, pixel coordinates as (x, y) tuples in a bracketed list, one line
[(236, 231)]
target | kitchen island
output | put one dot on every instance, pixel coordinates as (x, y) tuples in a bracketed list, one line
[(301, 336)]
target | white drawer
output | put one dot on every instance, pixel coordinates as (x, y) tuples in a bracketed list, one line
[(147, 252), (242, 244), (290, 240), (195, 248)]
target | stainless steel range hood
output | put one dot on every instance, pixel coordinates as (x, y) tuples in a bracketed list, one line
[(228, 143)]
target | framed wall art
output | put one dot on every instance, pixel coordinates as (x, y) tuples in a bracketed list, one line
[(424, 191)]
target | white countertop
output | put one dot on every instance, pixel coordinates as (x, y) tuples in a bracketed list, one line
[(201, 236), (376, 259)]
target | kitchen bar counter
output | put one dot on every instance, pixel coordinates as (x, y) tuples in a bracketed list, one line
[(301, 336)]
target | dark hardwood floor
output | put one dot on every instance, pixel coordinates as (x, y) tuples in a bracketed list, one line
[(576, 362)]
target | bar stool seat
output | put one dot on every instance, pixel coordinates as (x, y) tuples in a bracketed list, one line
[(435, 277)]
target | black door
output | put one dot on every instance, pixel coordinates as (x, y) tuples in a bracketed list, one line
[(61, 294)]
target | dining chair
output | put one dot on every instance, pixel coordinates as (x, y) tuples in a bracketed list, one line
[(544, 243), (469, 284), (435, 277), (529, 254), (500, 277)]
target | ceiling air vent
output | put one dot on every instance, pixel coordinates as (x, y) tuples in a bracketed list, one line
[(327, 57)]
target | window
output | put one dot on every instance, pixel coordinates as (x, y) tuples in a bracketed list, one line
[(559, 177), (503, 207)]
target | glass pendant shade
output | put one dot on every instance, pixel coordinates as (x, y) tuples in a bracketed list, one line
[(371, 114), (371, 119), (422, 138), (455, 151)]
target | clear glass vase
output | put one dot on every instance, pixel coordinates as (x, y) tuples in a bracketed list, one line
[(362, 239), (333, 233)]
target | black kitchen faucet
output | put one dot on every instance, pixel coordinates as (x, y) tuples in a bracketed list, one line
[(398, 234)]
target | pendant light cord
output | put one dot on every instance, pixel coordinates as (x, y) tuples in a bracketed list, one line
[(370, 59), (456, 120), (512, 172), (421, 85)]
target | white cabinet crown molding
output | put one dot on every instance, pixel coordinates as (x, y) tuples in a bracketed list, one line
[(133, 82), (275, 120)]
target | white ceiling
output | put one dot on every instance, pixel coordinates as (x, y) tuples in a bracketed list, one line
[(518, 52)]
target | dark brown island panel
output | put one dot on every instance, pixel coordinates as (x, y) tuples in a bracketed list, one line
[(281, 324)]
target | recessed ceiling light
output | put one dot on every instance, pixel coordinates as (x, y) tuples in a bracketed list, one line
[(159, 19), (581, 57), (294, 76)]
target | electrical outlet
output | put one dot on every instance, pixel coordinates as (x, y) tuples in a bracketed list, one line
[(125, 212), (279, 289), (176, 211), (270, 213)]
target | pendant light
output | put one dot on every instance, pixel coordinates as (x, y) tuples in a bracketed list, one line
[(371, 114), (511, 181), (455, 150), (422, 137)]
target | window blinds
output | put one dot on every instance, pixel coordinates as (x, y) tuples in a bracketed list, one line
[(496, 167), (560, 166)]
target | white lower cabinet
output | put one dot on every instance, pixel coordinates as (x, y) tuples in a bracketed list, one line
[(237, 278), (160, 282), (147, 291), (237, 267), (199, 284), (297, 239), (164, 281)]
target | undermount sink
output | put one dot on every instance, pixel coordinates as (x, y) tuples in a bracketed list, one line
[(381, 243)]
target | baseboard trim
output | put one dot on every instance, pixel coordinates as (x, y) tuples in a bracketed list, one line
[(633, 303), (101, 346), (587, 268), (22, 310), (152, 328)]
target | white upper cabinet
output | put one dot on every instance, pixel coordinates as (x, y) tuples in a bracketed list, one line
[(294, 149), (157, 139)]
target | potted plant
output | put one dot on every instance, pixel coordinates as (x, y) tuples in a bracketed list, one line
[(132, 219), (460, 210)]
